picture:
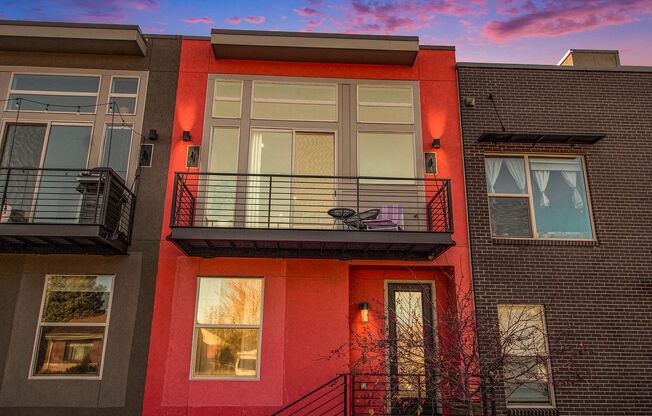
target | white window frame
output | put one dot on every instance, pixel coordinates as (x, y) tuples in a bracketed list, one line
[(197, 326), (123, 95), (227, 99), (529, 195), (384, 104), (284, 101), (551, 391), (54, 93), (40, 326)]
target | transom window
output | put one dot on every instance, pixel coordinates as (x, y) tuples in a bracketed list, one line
[(56, 93), (294, 101), (538, 197), (73, 326), (124, 91), (228, 325), (526, 369), (227, 99)]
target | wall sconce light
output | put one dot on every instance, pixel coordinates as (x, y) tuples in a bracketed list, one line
[(186, 136), (364, 312), (436, 143), (469, 101), (153, 134)]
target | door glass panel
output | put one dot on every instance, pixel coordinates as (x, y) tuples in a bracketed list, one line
[(22, 150), (221, 189), (410, 343)]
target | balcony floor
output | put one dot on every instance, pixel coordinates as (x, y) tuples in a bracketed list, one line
[(297, 243)]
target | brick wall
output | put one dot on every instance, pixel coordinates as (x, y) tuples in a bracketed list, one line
[(597, 294)]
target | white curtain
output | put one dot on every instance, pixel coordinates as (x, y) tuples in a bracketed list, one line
[(517, 170), (492, 167), (570, 177), (541, 178)]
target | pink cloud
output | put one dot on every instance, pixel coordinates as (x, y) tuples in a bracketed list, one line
[(195, 20), (562, 18), (107, 11), (255, 20), (306, 12), (312, 25), (234, 20)]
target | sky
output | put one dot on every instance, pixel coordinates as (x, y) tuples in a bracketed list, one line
[(511, 31)]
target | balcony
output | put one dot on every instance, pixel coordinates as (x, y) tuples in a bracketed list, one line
[(64, 211), (299, 216)]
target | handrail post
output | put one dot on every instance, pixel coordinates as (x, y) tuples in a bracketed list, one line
[(346, 387), (450, 206), (357, 194), (4, 191), (105, 196), (173, 212), (269, 202)]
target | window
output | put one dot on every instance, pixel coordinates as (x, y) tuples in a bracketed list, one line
[(227, 99), (386, 155), (538, 197), (72, 326), (385, 104), (294, 101), (228, 328), (116, 149), (56, 93), (123, 93), (526, 373)]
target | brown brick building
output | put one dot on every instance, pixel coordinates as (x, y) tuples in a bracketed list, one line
[(565, 224)]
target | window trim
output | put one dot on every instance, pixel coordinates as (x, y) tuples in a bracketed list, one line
[(372, 104), (39, 326), (530, 197), (281, 101), (123, 95), (259, 327), (551, 388), (215, 98)]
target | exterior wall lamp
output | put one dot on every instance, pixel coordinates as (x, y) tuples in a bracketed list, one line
[(364, 312), (186, 136), (436, 143)]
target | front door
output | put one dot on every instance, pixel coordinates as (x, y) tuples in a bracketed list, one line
[(412, 348)]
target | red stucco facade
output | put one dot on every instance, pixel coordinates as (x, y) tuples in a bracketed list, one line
[(310, 306)]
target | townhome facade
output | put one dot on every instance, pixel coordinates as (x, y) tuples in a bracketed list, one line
[(86, 116), (558, 192), (313, 180)]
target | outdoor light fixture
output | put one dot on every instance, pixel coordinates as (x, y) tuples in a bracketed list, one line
[(364, 312), (153, 134), (436, 143), (186, 136)]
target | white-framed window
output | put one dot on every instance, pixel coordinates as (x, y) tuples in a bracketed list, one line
[(123, 95), (386, 154), (227, 99), (72, 326), (526, 369), (294, 101), (385, 104), (541, 197), (116, 148), (54, 93), (228, 325)]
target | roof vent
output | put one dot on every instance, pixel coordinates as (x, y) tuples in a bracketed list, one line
[(591, 58)]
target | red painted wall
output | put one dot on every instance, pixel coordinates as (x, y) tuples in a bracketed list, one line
[(310, 306)]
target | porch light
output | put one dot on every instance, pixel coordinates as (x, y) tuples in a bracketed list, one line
[(436, 143), (364, 312), (186, 136)]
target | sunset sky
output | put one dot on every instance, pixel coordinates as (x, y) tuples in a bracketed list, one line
[(526, 31)]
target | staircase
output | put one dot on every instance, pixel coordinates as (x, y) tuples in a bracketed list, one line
[(329, 399)]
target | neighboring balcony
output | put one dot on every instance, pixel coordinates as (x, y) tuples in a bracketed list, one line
[(64, 211), (299, 216)]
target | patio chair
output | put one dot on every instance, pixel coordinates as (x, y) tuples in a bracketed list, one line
[(390, 218)]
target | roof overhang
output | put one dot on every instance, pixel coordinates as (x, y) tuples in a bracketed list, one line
[(539, 137), (314, 47), (102, 39)]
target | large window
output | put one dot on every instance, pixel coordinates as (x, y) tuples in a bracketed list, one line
[(228, 328), (386, 154), (526, 371), (294, 101), (56, 93), (117, 148), (538, 197), (72, 326)]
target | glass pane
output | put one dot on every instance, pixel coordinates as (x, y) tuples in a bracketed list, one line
[(522, 329), (229, 301), (125, 85), (79, 299), (510, 217), (228, 89), (123, 105), (505, 175), (226, 352), (386, 155), (226, 109), (560, 203), (221, 190), (294, 92), (387, 95), (526, 381), (410, 343), (117, 144), (373, 114), (69, 351), (294, 111), (67, 83), (57, 103)]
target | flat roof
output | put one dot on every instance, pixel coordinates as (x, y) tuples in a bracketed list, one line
[(66, 37), (623, 68), (314, 47)]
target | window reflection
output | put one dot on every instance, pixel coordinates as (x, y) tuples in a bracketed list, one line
[(70, 350), (226, 352)]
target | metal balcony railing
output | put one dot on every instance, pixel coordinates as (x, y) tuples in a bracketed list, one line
[(259, 201), (64, 197)]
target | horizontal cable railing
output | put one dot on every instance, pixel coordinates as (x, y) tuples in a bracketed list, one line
[(397, 394), (67, 196), (262, 201), (329, 399)]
